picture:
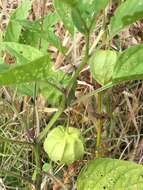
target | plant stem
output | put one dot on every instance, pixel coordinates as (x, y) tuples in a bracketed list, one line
[(109, 112), (52, 121), (37, 148), (99, 126), (84, 97), (34, 106), (85, 60), (35, 112), (98, 38), (38, 179)]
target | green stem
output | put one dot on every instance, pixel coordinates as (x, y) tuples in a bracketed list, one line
[(98, 38), (37, 173), (35, 84), (34, 104), (83, 98), (99, 126), (52, 121), (85, 60), (109, 112), (37, 147)]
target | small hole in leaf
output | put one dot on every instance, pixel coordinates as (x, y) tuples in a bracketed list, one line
[(104, 187)]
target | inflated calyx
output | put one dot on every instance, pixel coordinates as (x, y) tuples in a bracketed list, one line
[(64, 145)]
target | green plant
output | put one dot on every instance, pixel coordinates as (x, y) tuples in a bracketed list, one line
[(33, 66)]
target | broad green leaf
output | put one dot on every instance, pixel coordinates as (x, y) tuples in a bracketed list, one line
[(90, 8), (22, 53), (98, 5), (49, 21), (24, 89), (129, 65), (1, 61), (102, 64), (48, 33), (25, 54), (32, 33), (71, 3), (36, 70), (110, 174), (64, 12), (127, 13), (30, 37), (85, 11), (54, 40), (78, 20), (34, 26), (75, 12), (3, 66), (14, 29)]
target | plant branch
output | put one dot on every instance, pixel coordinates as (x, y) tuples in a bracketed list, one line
[(37, 148), (96, 42), (99, 126), (37, 173), (85, 60), (83, 98), (52, 120)]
